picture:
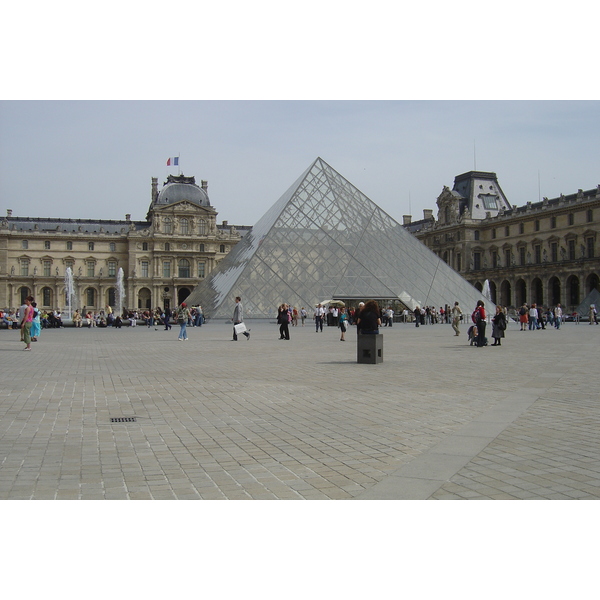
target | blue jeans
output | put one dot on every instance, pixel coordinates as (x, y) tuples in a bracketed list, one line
[(557, 321), (183, 331), (532, 323)]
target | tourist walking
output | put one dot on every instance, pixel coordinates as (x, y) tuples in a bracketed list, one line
[(319, 316), (238, 318), (183, 315), (557, 316), (498, 326), (523, 317), (283, 318), (593, 315), (478, 318), (456, 316), (167, 319), (533, 315), (36, 327), (26, 315), (343, 323), (303, 315)]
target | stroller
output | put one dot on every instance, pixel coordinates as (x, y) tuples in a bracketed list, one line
[(472, 334)]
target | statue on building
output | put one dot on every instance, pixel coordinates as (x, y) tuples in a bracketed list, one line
[(100, 273), (545, 255), (57, 271), (34, 271), (12, 270), (563, 253)]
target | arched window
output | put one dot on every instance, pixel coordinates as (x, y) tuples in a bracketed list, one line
[(168, 225), (184, 268), (184, 226), (202, 227)]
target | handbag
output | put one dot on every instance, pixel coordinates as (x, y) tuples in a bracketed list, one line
[(239, 328)]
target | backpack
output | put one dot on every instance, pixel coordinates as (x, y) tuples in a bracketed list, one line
[(476, 316), (180, 317)]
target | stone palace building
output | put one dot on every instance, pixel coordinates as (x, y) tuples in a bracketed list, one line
[(544, 252), (162, 258)]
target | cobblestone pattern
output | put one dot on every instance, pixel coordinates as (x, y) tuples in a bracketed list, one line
[(270, 419)]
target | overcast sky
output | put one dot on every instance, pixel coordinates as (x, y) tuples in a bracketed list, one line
[(250, 95), (95, 159)]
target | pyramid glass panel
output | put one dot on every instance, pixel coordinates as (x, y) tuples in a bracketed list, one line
[(324, 239)]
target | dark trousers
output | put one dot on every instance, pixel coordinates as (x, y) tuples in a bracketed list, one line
[(284, 331), (481, 333)]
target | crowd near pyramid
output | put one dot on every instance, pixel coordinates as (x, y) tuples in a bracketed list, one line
[(324, 239)]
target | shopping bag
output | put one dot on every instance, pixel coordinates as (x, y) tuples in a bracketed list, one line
[(239, 328)]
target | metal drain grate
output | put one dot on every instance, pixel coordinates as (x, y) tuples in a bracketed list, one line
[(123, 419)]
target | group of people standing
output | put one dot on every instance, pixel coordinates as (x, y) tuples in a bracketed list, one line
[(534, 317)]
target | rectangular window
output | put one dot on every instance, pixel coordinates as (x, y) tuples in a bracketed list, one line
[(538, 253), (24, 268), (46, 245), (201, 270), (144, 268), (537, 224), (112, 247), (552, 222), (167, 268), (554, 252), (494, 234), (571, 218), (47, 267), (507, 231), (522, 256), (571, 249), (476, 261), (458, 263), (91, 267), (590, 247), (507, 257), (521, 227), (494, 259), (91, 246), (69, 245), (112, 268), (69, 263), (25, 244), (590, 215), (47, 297)]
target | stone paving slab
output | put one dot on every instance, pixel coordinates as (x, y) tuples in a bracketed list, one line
[(299, 419)]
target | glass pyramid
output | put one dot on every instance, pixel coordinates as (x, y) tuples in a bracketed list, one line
[(322, 240)]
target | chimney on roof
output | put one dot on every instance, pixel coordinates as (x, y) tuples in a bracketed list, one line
[(9, 212), (427, 213), (128, 217), (204, 184), (406, 219), (224, 223)]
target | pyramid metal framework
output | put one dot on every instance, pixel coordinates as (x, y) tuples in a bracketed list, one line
[(324, 239)]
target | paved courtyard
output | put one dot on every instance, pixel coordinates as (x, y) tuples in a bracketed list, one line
[(299, 419)]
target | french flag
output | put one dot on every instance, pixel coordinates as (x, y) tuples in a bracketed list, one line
[(173, 162)]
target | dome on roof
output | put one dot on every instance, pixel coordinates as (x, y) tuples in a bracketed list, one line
[(179, 188)]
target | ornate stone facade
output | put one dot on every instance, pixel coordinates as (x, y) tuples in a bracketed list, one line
[(162, 258), (544, 252)]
